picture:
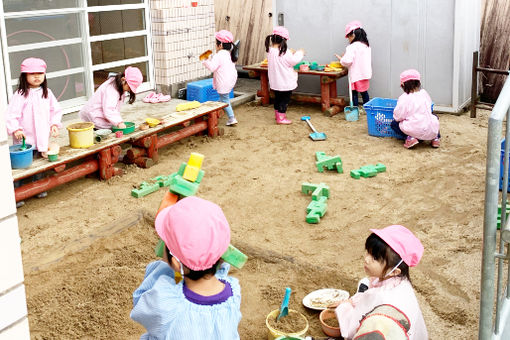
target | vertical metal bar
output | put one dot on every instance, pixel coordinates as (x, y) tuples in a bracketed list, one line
[(474, 84), (151, 77), (87, 48), (5, 53), (489, 228)]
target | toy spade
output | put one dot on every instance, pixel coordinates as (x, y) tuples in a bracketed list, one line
[(314, 135), (284, 308), (351, 112), (23, 145)]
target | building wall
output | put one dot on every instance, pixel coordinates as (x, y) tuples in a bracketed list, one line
[(13, 309), (180, 33)]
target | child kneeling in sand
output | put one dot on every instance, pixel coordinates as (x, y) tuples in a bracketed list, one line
[(206, 304), (390, 253)]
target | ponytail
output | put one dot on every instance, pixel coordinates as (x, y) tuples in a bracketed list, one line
[(360, 35), (277, 39), (229, 47), (267, 42)]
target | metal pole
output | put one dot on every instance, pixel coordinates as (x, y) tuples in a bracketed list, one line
[(474, 84)]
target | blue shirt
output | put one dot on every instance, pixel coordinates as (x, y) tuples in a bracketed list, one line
[(159, 304)]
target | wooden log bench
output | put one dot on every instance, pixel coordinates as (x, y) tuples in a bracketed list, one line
[(101, 157)]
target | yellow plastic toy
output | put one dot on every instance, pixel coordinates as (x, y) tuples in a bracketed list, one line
[(187, 106), (152, 122), (193, 167)]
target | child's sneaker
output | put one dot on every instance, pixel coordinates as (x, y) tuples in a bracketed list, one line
[(410, 142), (363, 285), (42, 194), (436, 142), (231, 121), (20, 204)]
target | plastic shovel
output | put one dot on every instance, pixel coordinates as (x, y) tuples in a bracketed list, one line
[(23, 145), (351, 112), (284, 309), (314, 135)]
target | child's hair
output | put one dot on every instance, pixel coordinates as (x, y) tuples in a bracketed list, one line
[(23, 85), (276, 39), (383, 253), (360, 35), (411, 86), (229, 47), (120, 88), (196, 274)]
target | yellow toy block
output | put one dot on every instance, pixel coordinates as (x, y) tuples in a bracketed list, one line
[(192, 169), (187, 106)]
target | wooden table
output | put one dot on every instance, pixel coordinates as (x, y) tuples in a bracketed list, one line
[(328, 96), (101, 157)]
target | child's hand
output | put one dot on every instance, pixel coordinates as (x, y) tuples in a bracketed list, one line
[(302, 50), (339, 56), (54, 131), (19, 134), (121, 126)]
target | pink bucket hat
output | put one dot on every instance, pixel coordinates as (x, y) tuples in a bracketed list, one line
[(410, 74), (352, 26), (195, 231), (33, 65), (403, 242), (224, 36), (133, 77), (281, 31)]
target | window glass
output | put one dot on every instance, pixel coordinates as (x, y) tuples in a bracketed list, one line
[(66, 87), (102, 75), (116, 21), (56, 58), (40, 29), (118, 49), (112, 2), (34, 5)]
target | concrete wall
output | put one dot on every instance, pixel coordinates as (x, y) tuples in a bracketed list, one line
[(437, 37), (13, 309)]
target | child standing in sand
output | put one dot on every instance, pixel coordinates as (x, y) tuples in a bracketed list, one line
[(222, 64), (103, 108), (358, 58), (390, 253), (206, 304), (412, 117), (281, 74)]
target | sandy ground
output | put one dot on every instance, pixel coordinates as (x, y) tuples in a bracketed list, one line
[(86, 245)]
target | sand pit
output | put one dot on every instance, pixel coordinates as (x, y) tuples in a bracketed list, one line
[(86, 245)]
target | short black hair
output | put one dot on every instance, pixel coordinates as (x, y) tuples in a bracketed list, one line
[(196, 274), (411, 86), (359, 35), (383, 253)]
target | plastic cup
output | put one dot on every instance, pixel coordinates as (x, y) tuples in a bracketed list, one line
[(119, 134)]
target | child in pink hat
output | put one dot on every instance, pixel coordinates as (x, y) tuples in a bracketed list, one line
[(103, 108), (390, 252), (280, 71), (358, 58), (222, 64), (33, 112), (413, 119), (206, 303)]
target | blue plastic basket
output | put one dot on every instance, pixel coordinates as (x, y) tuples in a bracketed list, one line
[(380, 115), (501, 168), (202, 91)]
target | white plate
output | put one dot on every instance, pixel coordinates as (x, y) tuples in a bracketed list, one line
[(320, 299)]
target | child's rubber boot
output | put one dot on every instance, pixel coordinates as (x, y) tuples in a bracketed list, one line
[(282, 119), (276, 113)]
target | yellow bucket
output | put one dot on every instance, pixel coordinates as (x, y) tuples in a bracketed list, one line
[(81, 135), (272, 333)]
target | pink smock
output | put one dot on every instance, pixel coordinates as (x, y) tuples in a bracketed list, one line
[(224, 71), (280, 69), (103, 108), (413, 111), (395, 291), (35, 116), (358, 58)]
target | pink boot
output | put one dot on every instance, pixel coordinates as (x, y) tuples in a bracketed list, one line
[(276, 113), (282, 119)]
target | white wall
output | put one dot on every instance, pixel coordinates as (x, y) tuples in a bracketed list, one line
[(13, 309), (437, 37)]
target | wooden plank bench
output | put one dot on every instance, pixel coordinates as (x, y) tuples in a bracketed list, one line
[(101, 157), (327, 98)]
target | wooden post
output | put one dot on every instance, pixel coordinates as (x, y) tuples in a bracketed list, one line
[(152, 150), (325, 91), (264, 88), (474, 84), (212, 124), (332, 89)]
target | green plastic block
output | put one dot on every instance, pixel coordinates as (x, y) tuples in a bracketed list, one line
[(316, 210), (160, 247), (328, 162), (145, 189), (181, 186), (380, 167), (368, 171), (355, 174), (163, 181), (234, 256), (317, 190), (499, 214)]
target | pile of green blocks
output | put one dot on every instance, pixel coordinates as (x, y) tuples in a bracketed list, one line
[(318, 206)]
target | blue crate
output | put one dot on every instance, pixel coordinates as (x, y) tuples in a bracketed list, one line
[(202, 91), (501, 168), (380, 115)]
